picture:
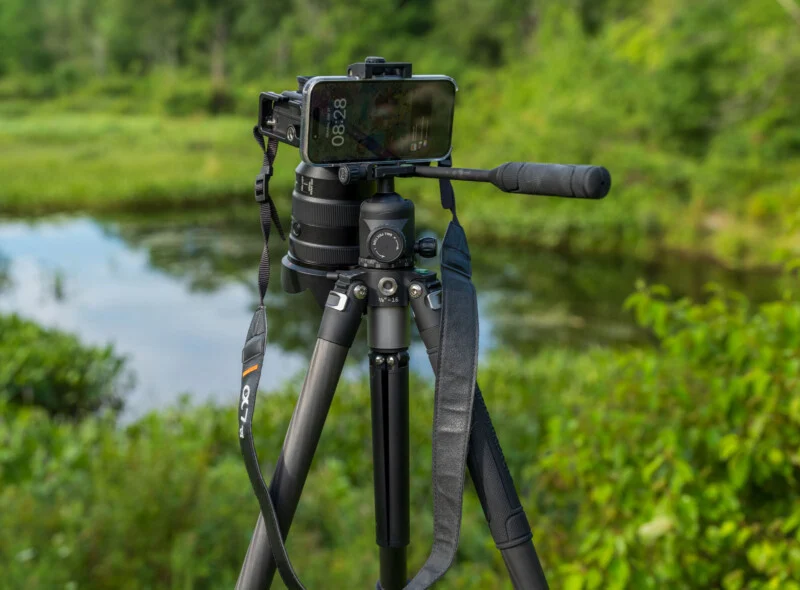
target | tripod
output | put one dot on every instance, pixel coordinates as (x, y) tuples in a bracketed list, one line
[(383, 286)]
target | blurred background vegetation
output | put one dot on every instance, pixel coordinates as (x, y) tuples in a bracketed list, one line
[(654, 446), (693, 105)]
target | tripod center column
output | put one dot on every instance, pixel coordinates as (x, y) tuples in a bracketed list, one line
[(386, 253), (390, 440)]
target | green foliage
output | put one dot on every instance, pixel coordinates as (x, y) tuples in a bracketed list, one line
[(692, 105), (674, 466), (54, 371), (680, 466)]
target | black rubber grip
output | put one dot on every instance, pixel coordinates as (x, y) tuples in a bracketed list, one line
[(501, 506), (557, 180), (493, 482)]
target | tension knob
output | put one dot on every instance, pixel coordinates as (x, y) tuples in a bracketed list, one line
[(426, 247)]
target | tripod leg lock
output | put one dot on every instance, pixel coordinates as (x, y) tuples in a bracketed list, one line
[(343, 311)]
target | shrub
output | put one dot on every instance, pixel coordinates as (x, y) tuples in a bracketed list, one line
[(679, 467), (674, 466), (53, 370)]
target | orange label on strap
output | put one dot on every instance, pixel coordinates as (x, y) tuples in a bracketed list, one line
[(250, 370)]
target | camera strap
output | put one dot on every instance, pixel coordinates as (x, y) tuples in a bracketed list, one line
[(253, 363), (269, 213), (456, 375)]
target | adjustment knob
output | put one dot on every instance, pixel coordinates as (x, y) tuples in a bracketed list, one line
[(350, 173), (426, 247), (386, 244)]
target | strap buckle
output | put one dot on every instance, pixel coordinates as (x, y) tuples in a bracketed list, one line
[(262, 184)]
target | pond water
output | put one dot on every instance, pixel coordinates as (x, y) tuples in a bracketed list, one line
[(175, 295)]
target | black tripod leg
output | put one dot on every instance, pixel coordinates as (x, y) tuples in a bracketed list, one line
[(337, 331), (507, 520), (487, 467)]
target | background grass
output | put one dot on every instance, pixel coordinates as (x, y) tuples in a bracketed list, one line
[(106, 162)]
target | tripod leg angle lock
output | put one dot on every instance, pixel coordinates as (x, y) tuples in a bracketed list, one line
[(374, 275)]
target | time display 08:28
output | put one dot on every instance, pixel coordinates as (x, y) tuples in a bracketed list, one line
[(339, 118)]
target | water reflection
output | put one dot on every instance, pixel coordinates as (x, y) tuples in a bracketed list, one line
[(5, 279), (210, 252), (538, 298), (175, 295), (177, 338)]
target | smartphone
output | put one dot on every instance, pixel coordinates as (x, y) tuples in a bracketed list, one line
[(348, 120)]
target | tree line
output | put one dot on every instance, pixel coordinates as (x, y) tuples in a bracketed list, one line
[(239, 39)]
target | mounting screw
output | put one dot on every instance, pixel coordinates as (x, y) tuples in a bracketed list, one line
[(390, 360), (360, 291), (415, 290), (387, 286), (379, 360)]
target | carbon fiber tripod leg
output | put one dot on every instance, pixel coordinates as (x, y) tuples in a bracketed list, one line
[(489, 472), (338, 328)]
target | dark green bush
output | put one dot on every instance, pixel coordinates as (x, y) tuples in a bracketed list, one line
[(53, 370), (672, 467)]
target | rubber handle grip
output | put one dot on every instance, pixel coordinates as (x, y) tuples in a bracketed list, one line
[(557, 180)]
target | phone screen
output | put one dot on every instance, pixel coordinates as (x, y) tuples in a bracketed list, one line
[(379, 120)]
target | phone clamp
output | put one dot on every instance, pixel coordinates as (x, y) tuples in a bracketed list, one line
[(378, 67), (351, 173)]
